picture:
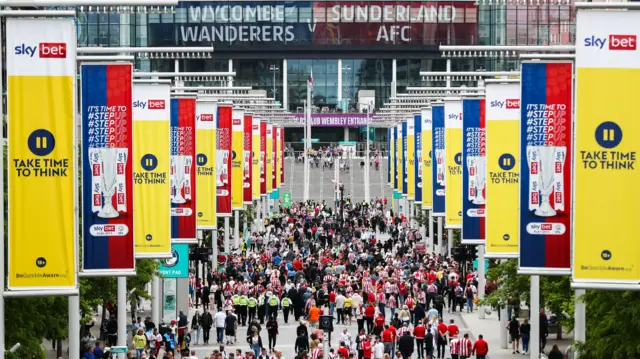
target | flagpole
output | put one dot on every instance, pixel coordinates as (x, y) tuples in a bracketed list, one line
[(308, 137)]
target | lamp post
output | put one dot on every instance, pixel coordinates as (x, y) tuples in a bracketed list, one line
[(274, 69), (366, 162)]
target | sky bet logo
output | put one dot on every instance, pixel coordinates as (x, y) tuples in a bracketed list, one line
[(45, 50), (616, 42), (512, 104), (153, 104), (206, 117)]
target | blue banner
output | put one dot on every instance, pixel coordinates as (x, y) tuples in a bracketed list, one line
[(107, 171), (474, 171), (545, 172), (178, 265), (418, 153), (437, 159), (405, 183)]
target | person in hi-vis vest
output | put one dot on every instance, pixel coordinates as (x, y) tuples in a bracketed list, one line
[(242, 307), (274, 302), (261, 307), (286, 306), (252, 304)]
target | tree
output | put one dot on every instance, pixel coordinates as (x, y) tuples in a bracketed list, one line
[(612, 325), (556, 294)]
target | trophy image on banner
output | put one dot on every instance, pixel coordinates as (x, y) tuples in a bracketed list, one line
[(247, 163), (440, 167), (222, 162), (262, 155), (546, 177), (419, 155), (477, 170), (180, 178), (108, 178)]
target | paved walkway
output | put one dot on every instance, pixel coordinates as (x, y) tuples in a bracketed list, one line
[(490, 329)]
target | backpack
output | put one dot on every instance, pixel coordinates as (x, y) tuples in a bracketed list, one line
[(468, 292)]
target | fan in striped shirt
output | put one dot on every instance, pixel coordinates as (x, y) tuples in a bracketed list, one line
[(465, 347)]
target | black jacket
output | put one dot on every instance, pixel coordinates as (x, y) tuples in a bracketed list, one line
[(207, 320), (405, 344), (555, 354), (428, 340), (302, 343)]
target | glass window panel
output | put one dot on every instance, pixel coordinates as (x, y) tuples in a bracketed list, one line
[(114, 35), (154, 18), (511, 34), (305, 14), (103, 18), (92, 35), (290, 13), (533, 34), (181, 15), (166, 18)]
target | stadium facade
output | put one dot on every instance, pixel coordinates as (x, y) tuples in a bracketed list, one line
[(347, 46)]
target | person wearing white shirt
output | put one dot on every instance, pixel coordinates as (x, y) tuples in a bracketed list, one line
[(340, 307), (357, 300), (378, 350), (220, 319)]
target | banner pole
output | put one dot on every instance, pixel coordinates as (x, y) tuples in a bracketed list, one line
[(439, 245), (122, 313), (265, 204), (2, 273), (226, 235), (449, 241), (214, 245), (155, 300), (236, 229), (74, 327), (481, 280), (430, 242), (580, 317), (534, 314)]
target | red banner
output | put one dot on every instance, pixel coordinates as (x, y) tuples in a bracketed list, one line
[(247, 171), (274, 145), (281, 155), (223, 161), (263, 158)]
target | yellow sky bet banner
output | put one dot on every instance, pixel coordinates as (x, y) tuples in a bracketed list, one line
[(41, 166), (206, 121), (411, 160), (427, 178), (151, 173), (255, 144), (453, 162), (278, 160), (392, 158), (237, 151), (606, 245), (269, 169), (502, 108)]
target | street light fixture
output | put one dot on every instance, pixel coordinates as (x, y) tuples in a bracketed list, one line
[(274, 69)]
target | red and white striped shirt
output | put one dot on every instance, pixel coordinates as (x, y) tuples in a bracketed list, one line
[(464, 347), (391, 302), (316, 353), (454, 346), (403, 330), (409, 303)]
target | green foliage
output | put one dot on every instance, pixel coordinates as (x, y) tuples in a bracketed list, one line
[(558, 297), (612, 325), (246, 216), (556, 294), (510, 284)]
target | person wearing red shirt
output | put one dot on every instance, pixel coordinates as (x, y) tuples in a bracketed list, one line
[(480, 348), (453, 330), (394, 332), (369, 312), (419, 332), (343, 352), (388, 339), (402, 292), (332, 302), (297, 264), (377, 330), (366, 347), (441, 341)]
